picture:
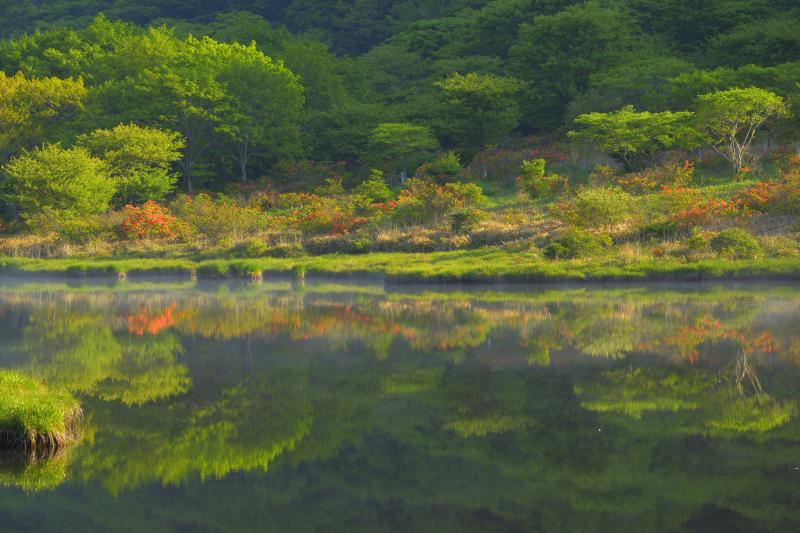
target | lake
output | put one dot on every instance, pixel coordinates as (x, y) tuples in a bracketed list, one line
[(355, 407)]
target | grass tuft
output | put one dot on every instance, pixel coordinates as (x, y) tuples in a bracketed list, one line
[(33, 416)]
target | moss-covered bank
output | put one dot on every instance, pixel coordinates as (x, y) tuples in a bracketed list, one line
[(34, 417)]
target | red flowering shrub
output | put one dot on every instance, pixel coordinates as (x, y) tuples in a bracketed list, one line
[(688, 207), (150, 221), (780, 196), (423, 202), (314, 215), (672, 174)]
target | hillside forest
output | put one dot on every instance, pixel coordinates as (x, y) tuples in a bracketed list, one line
[(639, 130)]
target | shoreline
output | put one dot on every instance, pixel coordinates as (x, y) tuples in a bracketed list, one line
[(443, 268)]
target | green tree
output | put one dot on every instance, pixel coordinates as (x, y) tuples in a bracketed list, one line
[(68, 181), (633, 138), (480, 109), (732, 119), (264, 102), (556, 55), (32, 109), (402, 143), (139, 159)]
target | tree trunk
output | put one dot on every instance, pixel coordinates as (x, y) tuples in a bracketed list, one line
[(243, 155)]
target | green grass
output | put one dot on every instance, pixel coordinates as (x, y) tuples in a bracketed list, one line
[(33, 415), (483, 265)]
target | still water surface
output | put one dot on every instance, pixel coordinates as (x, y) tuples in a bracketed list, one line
[(329, 407)]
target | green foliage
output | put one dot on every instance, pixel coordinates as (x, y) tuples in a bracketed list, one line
[(736, 243), (29, 408), (219, 219), (633, 138), (69, 181), (423, 202), (480, 109), (446, 168), (536, 184), (576, 244), (466, 220), (556, 53), (732, 119), (598, 207), (402, 143), (33, 110), (374, 188), (139, 160)]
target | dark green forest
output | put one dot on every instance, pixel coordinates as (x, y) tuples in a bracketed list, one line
[(538, 64)]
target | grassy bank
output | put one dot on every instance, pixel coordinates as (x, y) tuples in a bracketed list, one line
[(34, 417), (443, 267)]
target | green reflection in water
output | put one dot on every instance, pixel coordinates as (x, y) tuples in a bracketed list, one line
[(266, 408)]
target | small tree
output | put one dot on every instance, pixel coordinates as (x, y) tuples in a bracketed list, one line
[(139, 160), (55, 179), (401, 142), (633, 138), (732, 118)]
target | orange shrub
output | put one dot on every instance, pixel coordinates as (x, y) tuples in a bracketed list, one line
[(150, 221)]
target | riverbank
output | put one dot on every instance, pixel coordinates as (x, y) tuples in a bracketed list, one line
[(475, 266)]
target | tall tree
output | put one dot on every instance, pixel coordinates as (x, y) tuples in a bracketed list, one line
[(633, 138), (556, 55), (732, 118), (479, 109), (32, 110)]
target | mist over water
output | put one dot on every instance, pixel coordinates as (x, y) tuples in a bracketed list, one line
[(351, 407)]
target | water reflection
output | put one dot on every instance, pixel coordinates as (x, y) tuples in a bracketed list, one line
[(239, 407)]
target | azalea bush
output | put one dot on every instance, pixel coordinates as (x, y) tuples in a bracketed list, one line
[(688, 207), (313, 214), (149, 221)]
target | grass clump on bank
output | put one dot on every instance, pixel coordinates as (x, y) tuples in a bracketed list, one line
[(34, 417)]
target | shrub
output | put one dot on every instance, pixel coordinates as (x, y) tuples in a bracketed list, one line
[(670, 174), (422, 202), (444, 169), (466, 220), (781, 196), (576, 244), (688, 207), (150, 221), (780, 246), (373, 189), (736, 243), (219, 219), (601, 176), (67, 227), (697, 241), (598, 207), (67, 181), (253, 248), (536, 184)]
